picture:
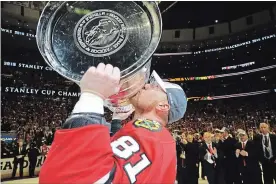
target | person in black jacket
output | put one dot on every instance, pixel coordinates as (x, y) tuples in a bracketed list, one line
[(182, 175), (220, 179), (4, 150), (266, 145), (229, 160), (248, 164), (33, 153), (208, 153), (19, 154), (192, 160)]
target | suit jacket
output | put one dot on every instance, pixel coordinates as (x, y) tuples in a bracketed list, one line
[(219, 145), (259, 142), (179, 148), (203, 150), (192, 154), (251, 161), (228, 148), (16, 151)]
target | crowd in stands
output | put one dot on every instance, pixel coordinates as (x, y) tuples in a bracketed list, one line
[(234, 113), (198, 45), (35, 118)]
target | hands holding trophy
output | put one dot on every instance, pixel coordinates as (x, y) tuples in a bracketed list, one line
[(79, 35)]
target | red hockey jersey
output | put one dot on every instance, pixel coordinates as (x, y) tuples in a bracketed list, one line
[(141, 152)]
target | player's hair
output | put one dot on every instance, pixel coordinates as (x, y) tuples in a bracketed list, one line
[(207, 134), (268, 126)]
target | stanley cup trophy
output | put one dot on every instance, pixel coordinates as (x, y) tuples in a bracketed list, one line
[(74, 35)]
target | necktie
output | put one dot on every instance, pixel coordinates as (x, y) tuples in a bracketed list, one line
[(267, 155), (266, 141), (210, 149), (212, 154), (244, 163)]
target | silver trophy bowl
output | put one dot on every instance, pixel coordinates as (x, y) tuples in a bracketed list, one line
[(75, 35)]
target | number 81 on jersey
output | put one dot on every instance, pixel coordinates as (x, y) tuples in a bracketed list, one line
[(125, 147)]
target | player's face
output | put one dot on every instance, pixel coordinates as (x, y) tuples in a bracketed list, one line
[(207, 138), (190, 138), (20, 143), (244, 138), (264, 128), (148, 96), (217, 136), (183, 135)]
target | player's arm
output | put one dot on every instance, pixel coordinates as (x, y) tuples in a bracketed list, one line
[(81, 151)]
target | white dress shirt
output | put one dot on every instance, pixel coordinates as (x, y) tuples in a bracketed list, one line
[(269, 148), (208, 155)]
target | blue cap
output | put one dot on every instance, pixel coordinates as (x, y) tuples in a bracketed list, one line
[(176, 97)]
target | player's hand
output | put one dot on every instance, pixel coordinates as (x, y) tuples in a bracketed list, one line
[(184, 141), (238, 151), (122, 115), (215, 151), (244, 153), (102, 81)]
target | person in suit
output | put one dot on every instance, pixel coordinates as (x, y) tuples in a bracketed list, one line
[(182, 177), (199, 141), (219, 166), (229, 160), (248, 163), (251, 135), (266, 143), (209, 155), (33, 153), (192, 160), (19, 154)]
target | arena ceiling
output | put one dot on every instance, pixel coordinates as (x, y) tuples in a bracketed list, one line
[(188, 14), (191, 14)]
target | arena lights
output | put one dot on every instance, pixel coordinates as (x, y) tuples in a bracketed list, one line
[(247, 71), (219, 48), (180, 79), (16, 32), (190, 78), (237, 45), (172, 54), (237, 66), (20, 33), (204, 98)]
